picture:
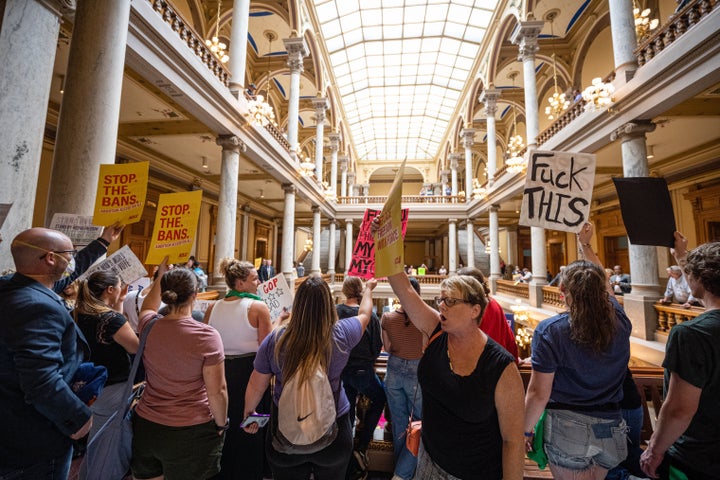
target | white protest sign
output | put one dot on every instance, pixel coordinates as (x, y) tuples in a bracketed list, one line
[(558, 189), (123, 262), (277, 295), (78, 227)]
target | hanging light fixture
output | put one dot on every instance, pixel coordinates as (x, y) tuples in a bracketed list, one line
[(478, 192), (643, 24), (328, 191), (514, 162), (261, 113), (598, 96), (307, 168), (558, 102), (215, 45)]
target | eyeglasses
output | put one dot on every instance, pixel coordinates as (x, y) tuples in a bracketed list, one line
[(449, 301), (72, 252)]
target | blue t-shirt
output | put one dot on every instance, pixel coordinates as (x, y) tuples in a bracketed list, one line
[(346, 335), (582, 377)]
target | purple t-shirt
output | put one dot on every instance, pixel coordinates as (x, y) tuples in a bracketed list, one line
[(346, 335)]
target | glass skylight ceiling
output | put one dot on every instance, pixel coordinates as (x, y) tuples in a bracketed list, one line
[(401, 66)]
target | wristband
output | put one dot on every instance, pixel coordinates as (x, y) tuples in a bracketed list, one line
[(223, 428), (587, 245), (529, 434)]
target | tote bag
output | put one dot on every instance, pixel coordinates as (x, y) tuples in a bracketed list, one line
[(109, 452)]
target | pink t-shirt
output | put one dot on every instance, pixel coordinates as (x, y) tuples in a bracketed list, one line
[(175, 353)]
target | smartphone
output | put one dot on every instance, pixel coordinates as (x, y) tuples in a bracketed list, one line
[(260, 418)]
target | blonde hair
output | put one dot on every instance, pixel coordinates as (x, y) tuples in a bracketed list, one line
[(306, 343), (469, 289), (234, 270), (90, 291)]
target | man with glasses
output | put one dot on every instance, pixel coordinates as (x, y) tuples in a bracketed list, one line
[(40, 351)]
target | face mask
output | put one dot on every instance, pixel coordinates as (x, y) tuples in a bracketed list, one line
[(70, 268)]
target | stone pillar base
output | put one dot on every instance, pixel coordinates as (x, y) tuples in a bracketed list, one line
[(536, 294), (493, 283), (639, 309)]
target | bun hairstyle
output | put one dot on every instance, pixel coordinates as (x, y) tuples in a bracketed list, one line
[(89, 298), (352, 287), (178, 286), (234, 270)]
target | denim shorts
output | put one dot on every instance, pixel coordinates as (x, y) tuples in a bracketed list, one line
[(576, 441)]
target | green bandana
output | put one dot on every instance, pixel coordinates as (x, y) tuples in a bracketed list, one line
[(235, 293)]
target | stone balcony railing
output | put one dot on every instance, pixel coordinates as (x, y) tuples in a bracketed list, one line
[(512, 289), (431, 199), (277, 135), (678, 24), (193, 40)]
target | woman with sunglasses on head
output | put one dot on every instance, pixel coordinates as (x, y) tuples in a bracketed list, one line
[(579, 362), (98, 313), (471, 387)]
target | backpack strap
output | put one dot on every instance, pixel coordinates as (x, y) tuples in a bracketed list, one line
[(436, 335)]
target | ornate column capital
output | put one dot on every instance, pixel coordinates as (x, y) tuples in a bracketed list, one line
[(315, 209), (632, 130), (489, 98), (297, 50), (320, 104), (289, 188), (348, 221), (454, 159), (468, 137), (494, 208), (231, 142), (60, 7), (334, 139), (525, 36), (351, 177)]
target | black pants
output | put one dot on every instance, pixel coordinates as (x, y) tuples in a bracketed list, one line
[(329, 463)]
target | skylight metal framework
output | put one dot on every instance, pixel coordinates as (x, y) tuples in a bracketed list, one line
[(401, 67)]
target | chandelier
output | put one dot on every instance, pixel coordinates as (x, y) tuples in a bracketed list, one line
[(558, 102), (478, 192), (643, 24), (216, 46), (598, 96), (515, 163), (328, 191), (307, 168), (261, 112), (308, 245)]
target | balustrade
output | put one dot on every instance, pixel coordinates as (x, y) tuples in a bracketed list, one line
[(671, 315), (553, 297), (512, 289)]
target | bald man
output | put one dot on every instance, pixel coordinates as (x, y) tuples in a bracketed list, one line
[(40, 351)]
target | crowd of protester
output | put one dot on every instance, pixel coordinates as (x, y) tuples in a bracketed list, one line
[(455, 367)]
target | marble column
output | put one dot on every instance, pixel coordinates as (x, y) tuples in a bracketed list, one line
[(334, 139), (343, 175), (494, 246), (288, 238), (28, 42), (525, 36), (238, 46), (315, 264), (489, 98), (88, 124), (245, 236), (643, 258), (320, 104), (297, 50), (624, 40), (227, 201), (331, 247), (454, 159), (444, 181), (348, 243), (452, 246), (446, 250), (351, 183), (470, 231), (468, 140)]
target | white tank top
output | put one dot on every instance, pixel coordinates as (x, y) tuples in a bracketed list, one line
[(230, 319)]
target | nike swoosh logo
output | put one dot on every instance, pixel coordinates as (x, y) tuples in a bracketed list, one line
[(300, 419)]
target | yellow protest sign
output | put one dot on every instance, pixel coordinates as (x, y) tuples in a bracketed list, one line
[(121, 193), (175, 227), (389, 254)]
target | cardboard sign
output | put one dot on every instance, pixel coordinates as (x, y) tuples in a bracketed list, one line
[(647, 210), (277, 295), (558, 190), (4, 210), (362, 263), (121, 193), (123, 262), (390, 254), (79, 228), (175, 227)]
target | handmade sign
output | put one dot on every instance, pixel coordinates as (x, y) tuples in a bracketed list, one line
[(389, 253), (121, 193), (558, 190), (123, 262), (277, 296), (175, 227), (79, 228), (362, 263)]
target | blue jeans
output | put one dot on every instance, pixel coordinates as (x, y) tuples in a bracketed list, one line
[(401, 386), (364, 380), (631, 465), (54, 469)]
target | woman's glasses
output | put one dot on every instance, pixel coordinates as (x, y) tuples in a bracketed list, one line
[(449, 301)]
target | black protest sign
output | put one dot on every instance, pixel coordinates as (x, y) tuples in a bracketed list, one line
[(558, 190), (647, 210)]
